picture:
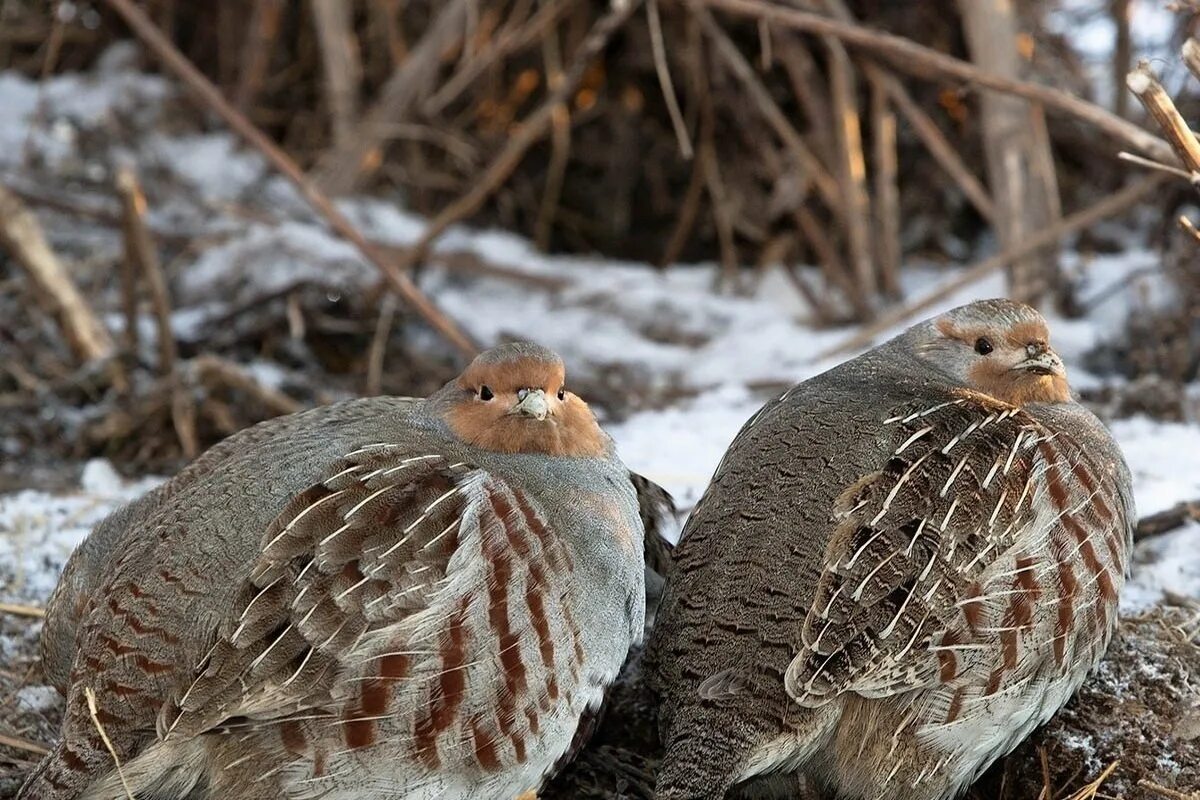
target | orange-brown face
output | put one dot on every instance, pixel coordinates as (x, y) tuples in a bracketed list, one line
[(1010, 360), (522, 406)]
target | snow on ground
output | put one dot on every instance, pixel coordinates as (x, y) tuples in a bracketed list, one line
[(724, 355)]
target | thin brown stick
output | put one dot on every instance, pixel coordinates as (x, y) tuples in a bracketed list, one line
[(232, 375), (803, 76), (560, 146), (1166, 521), (914, 59), (142, 255), (19, 610), (1122, 53), (341, 63), (1146, 87), (379, 342), (141, 252), (940, 148), (1089, 791), (529, 131), (825, 183), (401, 283), (1113, 204), (832, 268), (659, 50), (17, 743), (497, 48), (1166, 791), (855, 204), (90, 695), (256, 51), (689, 208), (927, 130), (887, 188), (22, 236), (340, 169), (1190, 228)]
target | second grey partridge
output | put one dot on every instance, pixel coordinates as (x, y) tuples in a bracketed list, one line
[(901, 567), (383, 598)]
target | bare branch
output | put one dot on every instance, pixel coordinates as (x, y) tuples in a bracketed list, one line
[(401, 283)]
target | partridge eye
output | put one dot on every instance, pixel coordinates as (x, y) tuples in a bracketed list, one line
[(562, 393), (485, 393), (983, 346)]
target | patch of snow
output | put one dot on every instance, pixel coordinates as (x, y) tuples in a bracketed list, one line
[(215, 165), (1166, 563), (38, 530), (36, 699)]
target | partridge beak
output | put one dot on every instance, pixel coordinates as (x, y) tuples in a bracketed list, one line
[(1041, 360), (531, 403)]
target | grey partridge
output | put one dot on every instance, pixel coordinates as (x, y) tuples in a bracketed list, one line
[(383, 598), (901, 567)]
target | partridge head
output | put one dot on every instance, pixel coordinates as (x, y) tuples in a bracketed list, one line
[(382, 598), (900, 568)]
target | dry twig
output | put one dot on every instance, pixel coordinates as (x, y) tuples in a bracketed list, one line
[(529, 131), (256, 51), (16, 609), (175, 61), (17, 743), (1166, 521), (1167, 792), (234, 376), (503, 44), (334, 22), (90, 695), (663, 71), (826, 186), (341, 168), (1145, 85), (915, 59), (1113, 204), (22, 237)]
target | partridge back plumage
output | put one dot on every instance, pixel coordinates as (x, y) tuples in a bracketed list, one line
[(891, 580), (351, 602)]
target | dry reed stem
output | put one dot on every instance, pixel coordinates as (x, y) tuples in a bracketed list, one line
[(530, 130), (401, 283), (504, 43), (142, 254), (22, 236), (940, 148), (90, 695), (232, 375), (663, 70), (379, 341), (1084, 218), (825, 183), (852, 166), (19, 610), (256, 51), (915, 59), (1146, 87), (1167, 792), (887, 188), (342, 65), (17, 743), (1089, 791), (340, 169)]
